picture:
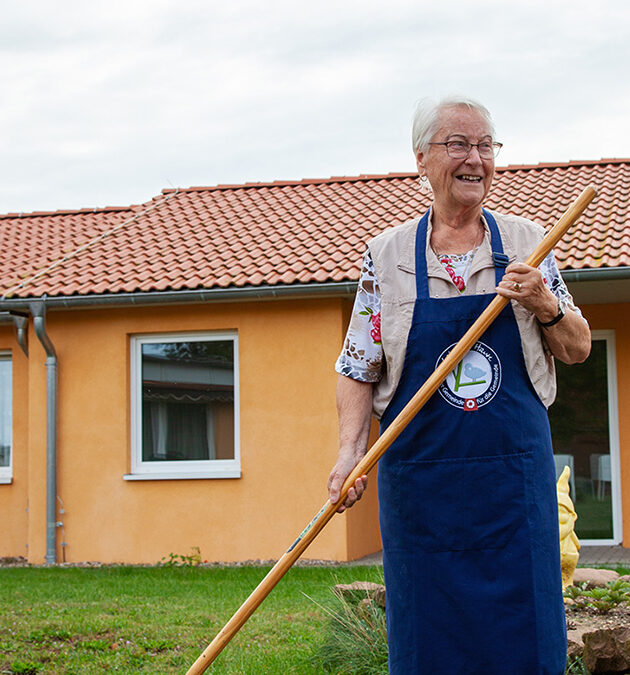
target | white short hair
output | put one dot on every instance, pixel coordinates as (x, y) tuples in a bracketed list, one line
[(426, 119)]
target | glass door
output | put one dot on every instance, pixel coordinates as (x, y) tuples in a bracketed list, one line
[(584, 430)]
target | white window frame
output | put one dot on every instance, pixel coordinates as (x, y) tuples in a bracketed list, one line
[(613, 438), (6, 472), (173, 469)]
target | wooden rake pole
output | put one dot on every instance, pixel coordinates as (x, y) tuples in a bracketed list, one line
[(389, 436)]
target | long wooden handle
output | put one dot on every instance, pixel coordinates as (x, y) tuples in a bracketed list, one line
[(386, 439)]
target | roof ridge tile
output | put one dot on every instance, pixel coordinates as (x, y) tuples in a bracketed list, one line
[(68, 212), (365, 177)]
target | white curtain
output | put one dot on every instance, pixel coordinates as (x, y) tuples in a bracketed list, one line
[(159, 426), (6, 416), (212, 454)]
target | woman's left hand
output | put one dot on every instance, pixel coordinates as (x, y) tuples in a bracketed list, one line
[(568, 339), (526, 285)]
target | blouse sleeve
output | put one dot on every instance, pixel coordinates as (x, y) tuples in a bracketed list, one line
[(555, 282), (362, 355)]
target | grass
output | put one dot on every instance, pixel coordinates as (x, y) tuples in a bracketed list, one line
[(577, 667), (158, 620), (355, 639)]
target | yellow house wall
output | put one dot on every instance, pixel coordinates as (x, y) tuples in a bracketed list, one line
[(14, 501), (617, 317), (288, 439)]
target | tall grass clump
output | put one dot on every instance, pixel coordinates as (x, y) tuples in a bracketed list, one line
[(576, 667), (354, 639)]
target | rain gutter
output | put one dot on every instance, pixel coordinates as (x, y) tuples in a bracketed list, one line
[(248, 293), (232, 294), (597, 274), (38, 310)]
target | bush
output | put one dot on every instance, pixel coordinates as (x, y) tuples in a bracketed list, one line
[(355, 639)]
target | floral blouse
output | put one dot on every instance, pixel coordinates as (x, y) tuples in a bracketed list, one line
[(362, 355)]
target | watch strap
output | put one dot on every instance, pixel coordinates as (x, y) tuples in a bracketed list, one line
[(556, 318)]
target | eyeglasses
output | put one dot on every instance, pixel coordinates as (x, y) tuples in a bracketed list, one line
[(461, 149)]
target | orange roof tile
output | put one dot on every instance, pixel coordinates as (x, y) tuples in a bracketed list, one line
[(284, 232), (32, 242)]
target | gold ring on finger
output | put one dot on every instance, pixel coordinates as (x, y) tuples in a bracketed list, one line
[(516, 286)]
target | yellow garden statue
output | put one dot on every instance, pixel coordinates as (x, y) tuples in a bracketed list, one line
[(569, 544)]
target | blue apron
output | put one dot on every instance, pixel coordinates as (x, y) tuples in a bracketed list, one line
[(468, 506)]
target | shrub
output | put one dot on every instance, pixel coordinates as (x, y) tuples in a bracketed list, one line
[(355, 639)]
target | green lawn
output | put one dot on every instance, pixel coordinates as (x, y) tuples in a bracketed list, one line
[(158, 620)]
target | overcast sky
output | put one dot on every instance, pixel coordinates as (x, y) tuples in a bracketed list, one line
[(106, 103)]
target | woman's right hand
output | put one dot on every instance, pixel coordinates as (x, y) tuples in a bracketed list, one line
[(345, 463), (354, 408)]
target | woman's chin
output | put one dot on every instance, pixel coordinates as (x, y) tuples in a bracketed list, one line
[(466, 199)]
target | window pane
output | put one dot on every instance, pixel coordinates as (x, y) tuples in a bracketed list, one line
[(188, 400), (6, 417), (579, 428)]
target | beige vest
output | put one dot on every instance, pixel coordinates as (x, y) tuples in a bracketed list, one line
[(393, 253)]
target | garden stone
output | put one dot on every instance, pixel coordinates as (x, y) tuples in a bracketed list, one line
[(360, 590), (607, 650), (593, 577), (574, 649)]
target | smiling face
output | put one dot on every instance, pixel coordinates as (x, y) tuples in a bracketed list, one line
[(458, 184)]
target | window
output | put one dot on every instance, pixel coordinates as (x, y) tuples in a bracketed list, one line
[(6, 417), (584, 428), (184, 407)]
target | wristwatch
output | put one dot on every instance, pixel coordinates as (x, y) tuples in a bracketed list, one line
[(556, 318)]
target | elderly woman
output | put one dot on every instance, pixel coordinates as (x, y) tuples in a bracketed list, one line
[(468, 509)]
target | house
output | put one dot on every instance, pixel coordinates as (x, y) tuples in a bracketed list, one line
[(166, 369)]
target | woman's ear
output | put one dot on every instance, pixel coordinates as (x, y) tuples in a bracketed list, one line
[(420, 163)]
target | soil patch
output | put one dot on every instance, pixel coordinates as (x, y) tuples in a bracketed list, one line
[(580, 621)]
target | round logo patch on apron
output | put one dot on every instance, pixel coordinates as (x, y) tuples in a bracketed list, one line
[(474, 381)]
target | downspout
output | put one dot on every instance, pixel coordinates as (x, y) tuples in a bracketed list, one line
[(38, 310), (20, 322)]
